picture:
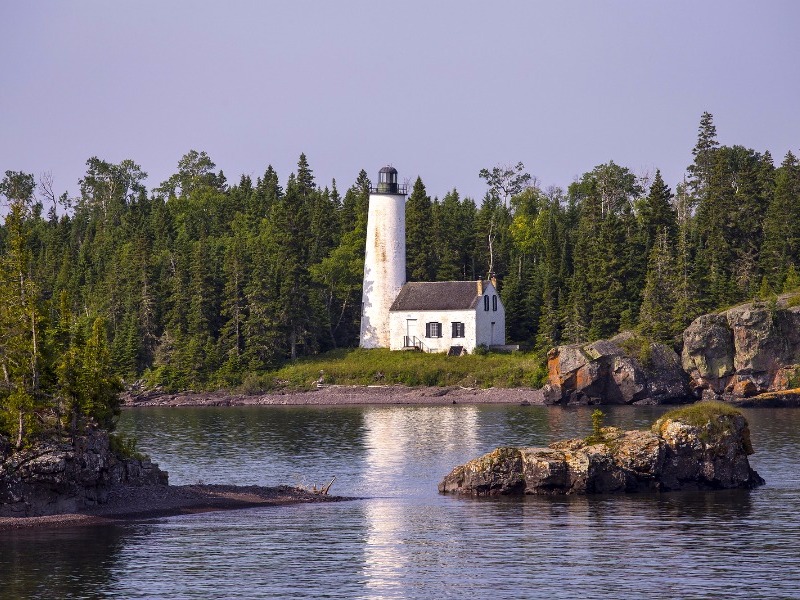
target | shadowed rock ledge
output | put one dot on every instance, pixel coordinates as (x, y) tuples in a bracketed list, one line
[(62, 475), (701, 447), (65, 482)]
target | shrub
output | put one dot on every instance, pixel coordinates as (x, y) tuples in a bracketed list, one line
[(124, 447), (639, 347), (597, 436)]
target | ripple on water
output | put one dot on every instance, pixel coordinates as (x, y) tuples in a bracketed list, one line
[(406, 541)]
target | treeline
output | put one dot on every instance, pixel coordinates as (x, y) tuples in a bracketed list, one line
[(200, 282)]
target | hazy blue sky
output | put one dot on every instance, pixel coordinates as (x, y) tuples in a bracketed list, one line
[(439, 89)]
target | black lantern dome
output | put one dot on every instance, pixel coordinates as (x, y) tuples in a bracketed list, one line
[(387, 180)]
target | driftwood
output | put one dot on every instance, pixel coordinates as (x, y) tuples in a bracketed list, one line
[(323, 491)]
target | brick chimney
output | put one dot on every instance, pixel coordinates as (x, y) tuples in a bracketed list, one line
[(480, 287)]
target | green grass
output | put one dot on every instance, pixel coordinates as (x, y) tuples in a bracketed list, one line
[(382, 367), (701, 414)]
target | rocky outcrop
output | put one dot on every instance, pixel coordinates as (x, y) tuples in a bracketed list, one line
[(744, 351), (702, 447), (623, 370), (59, 476)]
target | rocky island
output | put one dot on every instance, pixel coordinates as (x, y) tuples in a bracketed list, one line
[(701, 447), (88, 480)]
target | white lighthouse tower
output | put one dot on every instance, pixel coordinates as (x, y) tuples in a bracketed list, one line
[(384, 259)]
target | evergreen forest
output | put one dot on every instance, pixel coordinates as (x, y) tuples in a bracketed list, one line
[(200, 281)]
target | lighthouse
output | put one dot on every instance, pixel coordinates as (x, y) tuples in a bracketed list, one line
[(384, 257)]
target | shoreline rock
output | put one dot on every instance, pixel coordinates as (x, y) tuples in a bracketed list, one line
[(744, 351), (703, 450), (63, 482), (60, 475), (609, 372)]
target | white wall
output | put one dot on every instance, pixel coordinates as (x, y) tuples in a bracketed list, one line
[(384, 266), (399, 325), (486, 334), (477, 326)]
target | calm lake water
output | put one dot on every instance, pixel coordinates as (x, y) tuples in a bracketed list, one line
[(403, 540)]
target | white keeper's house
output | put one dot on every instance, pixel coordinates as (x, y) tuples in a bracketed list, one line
[(436, 316)]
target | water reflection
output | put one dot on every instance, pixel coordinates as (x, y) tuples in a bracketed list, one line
[(402, 445), (406, 541)]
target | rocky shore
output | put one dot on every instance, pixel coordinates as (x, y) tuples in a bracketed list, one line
[(748, 355), (340, 395), (63, 481), (701, 447)]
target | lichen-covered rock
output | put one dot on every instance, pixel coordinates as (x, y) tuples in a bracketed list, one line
[(59, 476), (703, 448), (604, 372), (708, 456), (497, 473), (744, 351)]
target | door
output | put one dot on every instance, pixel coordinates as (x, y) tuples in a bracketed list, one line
[(411, 332)]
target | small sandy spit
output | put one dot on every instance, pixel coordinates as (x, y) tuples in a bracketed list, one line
[(130, 503)]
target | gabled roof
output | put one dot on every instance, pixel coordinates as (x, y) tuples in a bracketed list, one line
[(439, 295)]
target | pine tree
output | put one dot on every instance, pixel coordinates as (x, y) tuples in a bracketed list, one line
[(549, 328), (452, 235), (419, 242), (780, 248), (99, 387), (656, 213), (233, 309), (287, 248), (792, 281), (659, 298), (704, 150)]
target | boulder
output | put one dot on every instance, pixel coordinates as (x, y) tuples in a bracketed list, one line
[(62, 476), (746, 350), (608, 372), (690, 449)]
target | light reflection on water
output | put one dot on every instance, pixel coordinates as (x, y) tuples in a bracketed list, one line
[(403, 540)]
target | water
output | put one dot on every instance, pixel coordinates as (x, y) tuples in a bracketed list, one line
[(402, 539)]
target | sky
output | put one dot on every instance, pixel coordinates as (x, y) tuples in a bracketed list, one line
[(439, 90)]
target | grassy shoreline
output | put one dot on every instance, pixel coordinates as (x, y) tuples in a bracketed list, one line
[(369, 367)]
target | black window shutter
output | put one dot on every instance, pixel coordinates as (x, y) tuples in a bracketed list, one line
[(427, 330)]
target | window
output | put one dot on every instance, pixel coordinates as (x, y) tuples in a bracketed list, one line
[(458, 330), (486, 303), (494, 302), (433, 330)]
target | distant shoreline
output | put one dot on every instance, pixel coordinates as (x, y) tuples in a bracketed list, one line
[(360, 395), (136, 503), (341, 395)]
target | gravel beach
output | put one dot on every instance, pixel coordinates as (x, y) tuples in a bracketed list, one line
[(335, 395)]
